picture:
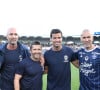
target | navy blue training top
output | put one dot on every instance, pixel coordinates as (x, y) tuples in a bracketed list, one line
[(31, 72), (59, 73), (8, 64), (89, 61)]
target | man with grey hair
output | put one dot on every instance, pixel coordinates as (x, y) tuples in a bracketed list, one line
[(89, 62)]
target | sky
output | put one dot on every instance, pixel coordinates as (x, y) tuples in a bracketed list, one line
[(39, 17)]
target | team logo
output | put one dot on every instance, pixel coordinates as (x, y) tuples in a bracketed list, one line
[(94, 55), (65, 58), (86, 58), (20, 58)]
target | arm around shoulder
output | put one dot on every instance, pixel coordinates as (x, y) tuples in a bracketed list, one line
[(45, 69), (76, 63)]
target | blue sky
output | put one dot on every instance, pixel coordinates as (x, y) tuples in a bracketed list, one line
[(38, 17)]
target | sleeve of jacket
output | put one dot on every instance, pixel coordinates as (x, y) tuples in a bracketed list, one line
[(26, 51), (1, 59)]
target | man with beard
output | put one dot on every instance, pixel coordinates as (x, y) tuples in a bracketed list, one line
[(57, 63), (13, 52)]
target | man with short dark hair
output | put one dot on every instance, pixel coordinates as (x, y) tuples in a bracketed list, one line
[(28, 75), (57, 63)]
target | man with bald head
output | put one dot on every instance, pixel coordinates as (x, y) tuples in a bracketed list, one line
[(89, 63), (13, 52)]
